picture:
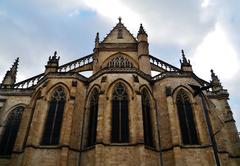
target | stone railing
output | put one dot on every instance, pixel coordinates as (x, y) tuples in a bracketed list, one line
[(163, 65), (167, 74), (76, 64), (29, 82), (64, 68)]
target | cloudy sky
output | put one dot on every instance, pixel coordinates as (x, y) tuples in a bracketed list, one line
[(208, 31)]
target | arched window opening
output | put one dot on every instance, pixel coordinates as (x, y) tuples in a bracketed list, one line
[(120, 129), (11, 130), (51, 134), (92, 120), (120, 62), (147, 122), (186, 119)]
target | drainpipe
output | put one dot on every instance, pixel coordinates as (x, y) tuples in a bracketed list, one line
[(210, 130), (198, 91)]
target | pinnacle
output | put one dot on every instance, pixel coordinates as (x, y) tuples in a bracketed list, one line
[(141, 30), (184, 60)]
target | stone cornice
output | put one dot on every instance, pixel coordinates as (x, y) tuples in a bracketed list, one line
[(118, 47), (16, 92)]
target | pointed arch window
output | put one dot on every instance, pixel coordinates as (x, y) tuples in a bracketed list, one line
[(11, 130), (92, 120), (120, 128), (186, 119), (51, 134), (147, 122)]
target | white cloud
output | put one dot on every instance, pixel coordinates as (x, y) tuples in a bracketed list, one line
[(216, 52), (205, 3), (113, 9)]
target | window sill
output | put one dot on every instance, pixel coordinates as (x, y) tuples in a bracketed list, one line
[(49, 146), (120, 144), (195, 146), (150, 148), (5, 156)]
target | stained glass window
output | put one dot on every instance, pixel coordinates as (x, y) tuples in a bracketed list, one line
[(54, 118), (147, 123), (120, 129), (10, 131), (92, 120), (186, 119)]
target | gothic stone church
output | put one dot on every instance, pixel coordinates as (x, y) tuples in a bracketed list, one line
[(120, 115)]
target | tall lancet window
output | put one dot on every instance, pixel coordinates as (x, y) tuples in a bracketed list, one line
[(92, 120), (120, 129), (147, 123), (186, 119), (51, 134), (10, 131)]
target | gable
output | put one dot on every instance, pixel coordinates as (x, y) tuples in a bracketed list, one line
[(119, 34)]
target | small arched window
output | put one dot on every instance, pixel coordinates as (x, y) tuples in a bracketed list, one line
[(120, 129), (92, 120), (186, 119), (147, 122), (51, 134), (10, 131)]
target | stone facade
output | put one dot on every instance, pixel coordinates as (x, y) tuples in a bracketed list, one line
[(119, 58)]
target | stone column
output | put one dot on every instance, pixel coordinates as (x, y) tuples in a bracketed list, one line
[(37, 124), (139, 119), (173, 121), (100, 118)]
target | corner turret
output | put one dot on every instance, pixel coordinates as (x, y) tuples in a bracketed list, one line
[(52, 64), (10, 76), (143, 51)]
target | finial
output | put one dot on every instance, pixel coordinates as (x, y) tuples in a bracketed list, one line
[(185, 64), (183, 53), (97, 38), (212, 72), (184, 59), (15, 66), (120, 19), (17, 60), (55, 53)]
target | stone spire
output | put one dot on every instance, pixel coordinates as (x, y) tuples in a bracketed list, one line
[(217, 86), (10, 77), (142, 31), (52, 64), (185, 64)]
